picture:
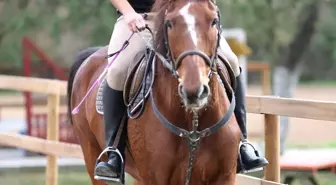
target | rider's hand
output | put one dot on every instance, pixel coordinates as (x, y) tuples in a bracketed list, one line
[(135, 21)]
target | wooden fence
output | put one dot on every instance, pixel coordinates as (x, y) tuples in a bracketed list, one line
[(263, 68), (270, 107)]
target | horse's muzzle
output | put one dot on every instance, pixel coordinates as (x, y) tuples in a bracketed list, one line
[(195, 98)]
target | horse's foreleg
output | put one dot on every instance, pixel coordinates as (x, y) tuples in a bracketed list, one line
[(137, 183), (225, 179), (90, 148)]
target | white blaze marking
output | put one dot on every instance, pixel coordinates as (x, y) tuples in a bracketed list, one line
[(190, 21)]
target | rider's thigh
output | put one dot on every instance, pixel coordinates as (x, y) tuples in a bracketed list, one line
[(117, 72)]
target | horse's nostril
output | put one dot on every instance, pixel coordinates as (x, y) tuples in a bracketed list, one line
[(200, 93), (182, 90), (205, 91)]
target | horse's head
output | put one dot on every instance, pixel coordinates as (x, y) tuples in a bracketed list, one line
[(191, 38)]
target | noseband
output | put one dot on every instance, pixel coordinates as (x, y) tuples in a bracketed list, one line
[(194, 136)]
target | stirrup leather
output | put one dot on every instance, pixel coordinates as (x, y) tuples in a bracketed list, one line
[(121, 179)]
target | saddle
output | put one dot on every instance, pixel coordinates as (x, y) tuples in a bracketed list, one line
[(225, 74), (140, 79)]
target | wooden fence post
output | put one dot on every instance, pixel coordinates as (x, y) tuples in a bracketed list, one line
[(266, 81), (52, 134), (272, 145)]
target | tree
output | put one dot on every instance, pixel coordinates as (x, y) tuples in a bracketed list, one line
[(60, 27), (287, 71), (279, 32)]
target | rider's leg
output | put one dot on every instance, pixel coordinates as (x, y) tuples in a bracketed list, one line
[(113, 104), (114, 110), (250, 156)]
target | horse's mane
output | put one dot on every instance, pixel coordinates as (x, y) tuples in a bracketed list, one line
[(160, 7)]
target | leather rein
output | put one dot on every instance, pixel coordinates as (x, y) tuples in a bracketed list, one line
[(194, 136)]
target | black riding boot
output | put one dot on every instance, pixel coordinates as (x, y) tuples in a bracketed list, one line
[(114, 110), (250, 158)]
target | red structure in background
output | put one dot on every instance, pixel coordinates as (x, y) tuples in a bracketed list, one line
[(37, 122)]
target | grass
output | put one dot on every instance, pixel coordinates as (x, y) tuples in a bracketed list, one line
[(8, 92), (80, 177), (38, 178), (322, 178), (331, 144)]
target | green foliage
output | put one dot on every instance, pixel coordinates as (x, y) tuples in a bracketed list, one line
[(92, 21), (270, 25), (321, 58)]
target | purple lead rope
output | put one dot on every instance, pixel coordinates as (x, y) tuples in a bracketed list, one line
[(99, 80)]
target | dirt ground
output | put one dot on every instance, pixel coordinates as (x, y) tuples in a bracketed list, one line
[(302, 131)]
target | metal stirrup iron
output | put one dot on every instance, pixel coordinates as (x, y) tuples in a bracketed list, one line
[(114, 148)]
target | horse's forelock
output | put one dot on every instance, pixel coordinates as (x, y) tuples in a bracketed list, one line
[(160, 7)]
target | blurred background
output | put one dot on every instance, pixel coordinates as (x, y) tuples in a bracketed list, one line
[(293, 41)]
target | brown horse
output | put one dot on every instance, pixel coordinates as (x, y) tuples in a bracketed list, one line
[(187, 94)]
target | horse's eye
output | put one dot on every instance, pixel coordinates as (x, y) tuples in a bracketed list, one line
[(214, 22), (169, 24)]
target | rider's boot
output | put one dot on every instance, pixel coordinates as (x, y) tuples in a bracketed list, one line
[(114, 110), (250, 157)]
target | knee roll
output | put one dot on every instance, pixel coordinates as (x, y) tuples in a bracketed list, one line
[(234, 65)]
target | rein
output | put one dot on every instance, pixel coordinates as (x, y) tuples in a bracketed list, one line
[(194, 136)]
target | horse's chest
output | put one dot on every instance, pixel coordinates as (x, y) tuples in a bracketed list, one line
[(173, 166)]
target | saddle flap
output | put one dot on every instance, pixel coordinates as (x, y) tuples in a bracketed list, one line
[(138, 83), (134, 76), (226, 72)]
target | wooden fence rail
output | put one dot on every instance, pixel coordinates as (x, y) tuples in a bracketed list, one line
[(271, 107)]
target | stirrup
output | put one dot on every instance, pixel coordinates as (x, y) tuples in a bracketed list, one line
[(243, 170), (121, 179), (249, 143)]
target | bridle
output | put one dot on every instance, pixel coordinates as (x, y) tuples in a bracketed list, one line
[(172, 65), (194, 136)]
